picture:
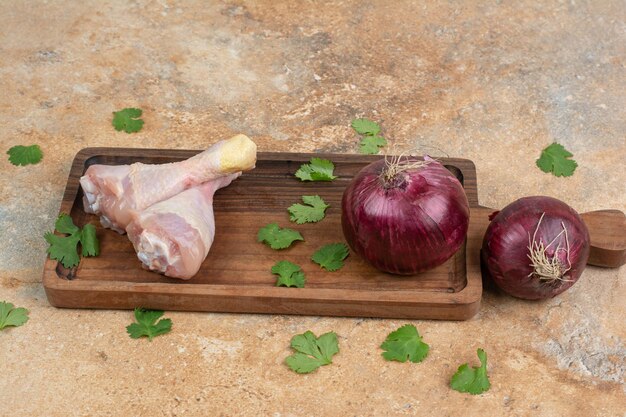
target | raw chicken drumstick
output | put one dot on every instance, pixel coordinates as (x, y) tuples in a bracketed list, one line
[(174, 236), (118, 193)]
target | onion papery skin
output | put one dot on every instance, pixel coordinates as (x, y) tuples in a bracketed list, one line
[(409, 225), (505, 246)]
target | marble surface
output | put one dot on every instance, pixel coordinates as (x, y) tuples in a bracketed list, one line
[(492, 81)]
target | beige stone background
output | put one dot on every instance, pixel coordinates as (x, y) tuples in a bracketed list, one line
[(492, 81)]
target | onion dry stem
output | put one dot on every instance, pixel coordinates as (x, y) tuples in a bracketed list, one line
[(548, 268), (395, 164)]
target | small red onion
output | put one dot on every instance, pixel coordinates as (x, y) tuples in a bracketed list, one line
[(536, 247), (405, 216)]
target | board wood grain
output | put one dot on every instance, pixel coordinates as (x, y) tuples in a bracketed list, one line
[(236, 275), (607, 232)]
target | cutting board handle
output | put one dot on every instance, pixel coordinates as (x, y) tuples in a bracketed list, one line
[(607, 235), (607, 232)]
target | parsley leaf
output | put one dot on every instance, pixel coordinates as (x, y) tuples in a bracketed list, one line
[(64, 224), (331, 256), (289, 274), (25, 155), (128, 120), (10, 316), (63, 248), (474, 380), (276, 237), (311, 351), (317, 170), (365, 127), (89, 241), (405, 343), (370, 144), (554, 159), (313, 212), (147, 324)]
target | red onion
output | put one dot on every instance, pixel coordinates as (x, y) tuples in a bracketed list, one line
[(536, 247), (405, 216)]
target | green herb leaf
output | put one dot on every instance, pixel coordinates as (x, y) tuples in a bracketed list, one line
[(473, 380), (317, 170), (65, 224), (289, 274), (63, 248), (328, 346), (128, 120), (276, 237), (147, 324), (313, 212), (11, 316), (303, 364), (554, 159), (405, 343), (365, 127), (312, 352), (371, 144), (330, 257), (89, 241), (25, 155)]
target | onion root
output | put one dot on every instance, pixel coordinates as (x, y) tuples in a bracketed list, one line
[(548, 268), (395, 165)]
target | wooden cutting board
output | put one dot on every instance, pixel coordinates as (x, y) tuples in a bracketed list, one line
[(236, 275)]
